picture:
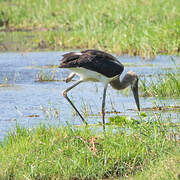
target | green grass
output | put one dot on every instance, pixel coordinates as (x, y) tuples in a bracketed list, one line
[(165, 86), (84, 153), (167, 168), (141, 27)]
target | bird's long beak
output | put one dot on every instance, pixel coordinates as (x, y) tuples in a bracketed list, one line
[(134, 88)]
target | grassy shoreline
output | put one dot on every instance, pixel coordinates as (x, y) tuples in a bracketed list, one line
[(84, 153), (144, 28)]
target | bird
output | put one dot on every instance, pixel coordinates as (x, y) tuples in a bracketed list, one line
[(98, 66)]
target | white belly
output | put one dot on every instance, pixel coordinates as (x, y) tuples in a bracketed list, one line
[(88, 75)]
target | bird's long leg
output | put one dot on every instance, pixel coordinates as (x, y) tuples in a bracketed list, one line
[(65, 95), (103, 107)]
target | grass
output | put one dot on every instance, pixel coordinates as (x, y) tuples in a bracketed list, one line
[(142, 27), (84, 153), (165, 86), (167, 168), (46, 75)]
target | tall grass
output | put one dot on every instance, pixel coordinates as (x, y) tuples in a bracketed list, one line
[(135, 27), (164, 86), (83, 153)]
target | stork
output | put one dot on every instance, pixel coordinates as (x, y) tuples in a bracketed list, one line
[(98, 66)]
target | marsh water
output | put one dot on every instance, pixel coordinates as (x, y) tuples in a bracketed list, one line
[(31, 86)]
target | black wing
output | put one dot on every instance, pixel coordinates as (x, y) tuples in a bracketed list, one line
[(93, 60)]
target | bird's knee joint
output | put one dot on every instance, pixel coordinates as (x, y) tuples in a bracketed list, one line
[(102, 112), (64, 93)]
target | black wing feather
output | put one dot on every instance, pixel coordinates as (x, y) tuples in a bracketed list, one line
[(69, 57), (93, 60)]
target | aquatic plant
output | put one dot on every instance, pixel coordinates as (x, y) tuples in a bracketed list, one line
[(167, 85), (51, 112), (46, 75), (127, 121)]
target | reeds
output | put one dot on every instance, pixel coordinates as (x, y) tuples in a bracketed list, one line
[(167, 85)]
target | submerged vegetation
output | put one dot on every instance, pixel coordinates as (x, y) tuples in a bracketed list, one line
[(142, 27), (83, 153)]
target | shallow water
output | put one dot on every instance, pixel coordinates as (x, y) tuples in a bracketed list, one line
[(28, 102)]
